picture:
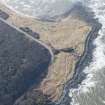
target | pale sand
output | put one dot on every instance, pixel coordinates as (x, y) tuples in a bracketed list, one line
[(70, 32)]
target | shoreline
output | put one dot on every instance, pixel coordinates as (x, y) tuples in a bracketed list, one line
[(49, 19), (73, 70), (84, 61), (38, 41), (55, 18)]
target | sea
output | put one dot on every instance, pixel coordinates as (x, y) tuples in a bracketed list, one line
[(91, 91), (40, 9)]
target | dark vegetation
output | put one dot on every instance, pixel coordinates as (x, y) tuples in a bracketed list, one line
[(33, 98), (30, 32), (3, 15), (23, 63), (57, 51)]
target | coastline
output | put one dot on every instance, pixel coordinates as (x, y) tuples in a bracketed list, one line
[(76, 64), (55, 18), (85, 59)]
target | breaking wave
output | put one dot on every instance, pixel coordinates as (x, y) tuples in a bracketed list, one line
[(40, 8), (91, 90)]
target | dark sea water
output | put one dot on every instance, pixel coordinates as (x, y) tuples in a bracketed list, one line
[(91, 91)]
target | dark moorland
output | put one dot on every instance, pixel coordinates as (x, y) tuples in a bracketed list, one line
[(23, 63)]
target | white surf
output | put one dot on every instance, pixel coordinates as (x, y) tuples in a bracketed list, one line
[(91, 90), (46, 9)]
